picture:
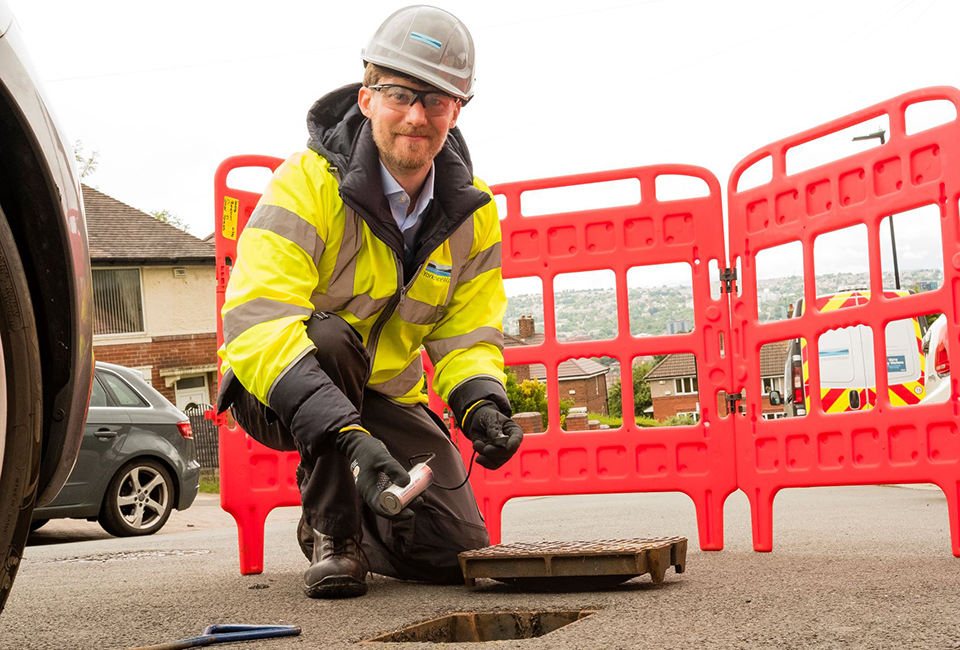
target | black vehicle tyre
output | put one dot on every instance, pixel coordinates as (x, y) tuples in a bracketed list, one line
[(22, 393), (139, 499), (38, 524)]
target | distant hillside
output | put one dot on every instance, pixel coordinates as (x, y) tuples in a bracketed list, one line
[(591, 313)]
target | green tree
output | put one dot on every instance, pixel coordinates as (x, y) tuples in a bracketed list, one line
[(641, 392), (168, 217), (530, 396), (85, 164)]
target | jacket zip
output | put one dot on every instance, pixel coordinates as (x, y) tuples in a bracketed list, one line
[(391, 307)]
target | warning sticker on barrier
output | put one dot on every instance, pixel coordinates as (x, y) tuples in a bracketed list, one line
[(231, 212)]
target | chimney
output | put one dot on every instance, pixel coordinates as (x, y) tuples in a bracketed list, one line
[(526, 327)]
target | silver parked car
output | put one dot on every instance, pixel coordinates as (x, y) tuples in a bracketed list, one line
[(137, 461), (46, 364)]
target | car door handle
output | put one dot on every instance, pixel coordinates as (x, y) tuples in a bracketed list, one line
[(105, 432)]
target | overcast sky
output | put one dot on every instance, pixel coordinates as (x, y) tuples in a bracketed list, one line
[(165, 91)]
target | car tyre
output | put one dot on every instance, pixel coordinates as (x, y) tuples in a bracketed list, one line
[(139, 499), (21, 411)]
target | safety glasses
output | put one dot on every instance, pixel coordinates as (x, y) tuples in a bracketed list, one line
[(401, 98)]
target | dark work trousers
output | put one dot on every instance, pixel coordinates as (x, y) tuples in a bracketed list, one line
[(447, 523)]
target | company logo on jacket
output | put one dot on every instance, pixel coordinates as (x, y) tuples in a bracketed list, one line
[(438, 272)]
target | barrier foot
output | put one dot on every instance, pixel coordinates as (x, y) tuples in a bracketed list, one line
[(709, 520), (761, 515), (492, 517), (952, 492), (250, 524)]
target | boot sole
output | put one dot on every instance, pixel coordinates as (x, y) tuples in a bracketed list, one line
[(336, 587)]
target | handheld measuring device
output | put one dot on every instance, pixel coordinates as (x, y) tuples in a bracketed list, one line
[(394, 498)]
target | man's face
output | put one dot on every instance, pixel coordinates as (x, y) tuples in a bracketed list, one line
[(409, 139)]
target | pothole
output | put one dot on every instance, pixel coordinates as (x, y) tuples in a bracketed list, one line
[(466, 627), (123, 555)]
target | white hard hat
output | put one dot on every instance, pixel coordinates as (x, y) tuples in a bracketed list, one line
[(429, 44)]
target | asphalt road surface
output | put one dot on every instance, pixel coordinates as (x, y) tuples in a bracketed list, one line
[(855, 567)]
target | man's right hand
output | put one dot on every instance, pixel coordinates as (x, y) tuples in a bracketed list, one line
[(495, 437), (373, 469)]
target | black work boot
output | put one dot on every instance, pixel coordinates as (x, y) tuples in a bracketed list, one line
[(305, 538), (338, 569)]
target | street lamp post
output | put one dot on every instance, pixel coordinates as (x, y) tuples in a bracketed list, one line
[(880, 134)]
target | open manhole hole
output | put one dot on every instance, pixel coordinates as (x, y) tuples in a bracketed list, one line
[(466, 627)]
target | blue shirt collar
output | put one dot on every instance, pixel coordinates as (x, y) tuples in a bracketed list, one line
[(391, 188)]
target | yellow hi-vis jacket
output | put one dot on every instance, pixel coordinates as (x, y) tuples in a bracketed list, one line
[(319, 240)]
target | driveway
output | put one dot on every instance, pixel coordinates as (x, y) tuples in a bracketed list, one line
[(858, 567)]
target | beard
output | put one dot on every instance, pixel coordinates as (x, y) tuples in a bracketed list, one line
[(403, 155)]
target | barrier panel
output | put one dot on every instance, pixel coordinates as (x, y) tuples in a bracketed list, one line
[(253, 479), (887, 443), (696, 460)]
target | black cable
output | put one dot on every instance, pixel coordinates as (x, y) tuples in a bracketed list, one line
[(449, 489)]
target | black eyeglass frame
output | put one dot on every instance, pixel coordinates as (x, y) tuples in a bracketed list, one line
[(418, 95)]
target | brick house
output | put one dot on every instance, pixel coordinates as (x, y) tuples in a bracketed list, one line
[(674, 388), (581, 380), (154, 305)]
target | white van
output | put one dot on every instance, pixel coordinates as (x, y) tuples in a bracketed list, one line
[(847, 371)]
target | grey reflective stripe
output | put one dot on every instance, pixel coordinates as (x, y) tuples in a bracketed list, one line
[(419, 313), (486, 260), (345, 270), (289, 225), (259, 310), (461, 243), (441, 348), (325, 302), (402, 383), (361, 306)]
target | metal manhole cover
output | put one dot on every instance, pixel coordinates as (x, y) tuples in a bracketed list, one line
[(575, 565)]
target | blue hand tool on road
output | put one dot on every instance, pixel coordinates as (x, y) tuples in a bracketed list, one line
[(228, 634)]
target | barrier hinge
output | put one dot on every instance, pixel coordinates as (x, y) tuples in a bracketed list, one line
[(733, 400), (728, 278), (218, 419)]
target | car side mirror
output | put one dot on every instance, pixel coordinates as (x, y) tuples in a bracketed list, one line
[(775, 398)]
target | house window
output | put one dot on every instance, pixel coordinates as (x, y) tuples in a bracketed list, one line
[(772, 383), (685, 385), (117, 302), (774, 416), (694, 415)]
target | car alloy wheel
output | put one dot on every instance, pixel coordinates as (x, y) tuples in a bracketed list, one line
[(139, 499)]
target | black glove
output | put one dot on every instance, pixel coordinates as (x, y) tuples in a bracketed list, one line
[(374, 469), (495, 436)]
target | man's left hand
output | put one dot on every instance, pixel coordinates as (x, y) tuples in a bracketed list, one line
[(495, 437)]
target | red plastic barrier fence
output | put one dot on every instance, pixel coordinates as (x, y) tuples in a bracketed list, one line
[(707, 461), (697, 460), (888, 443)]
